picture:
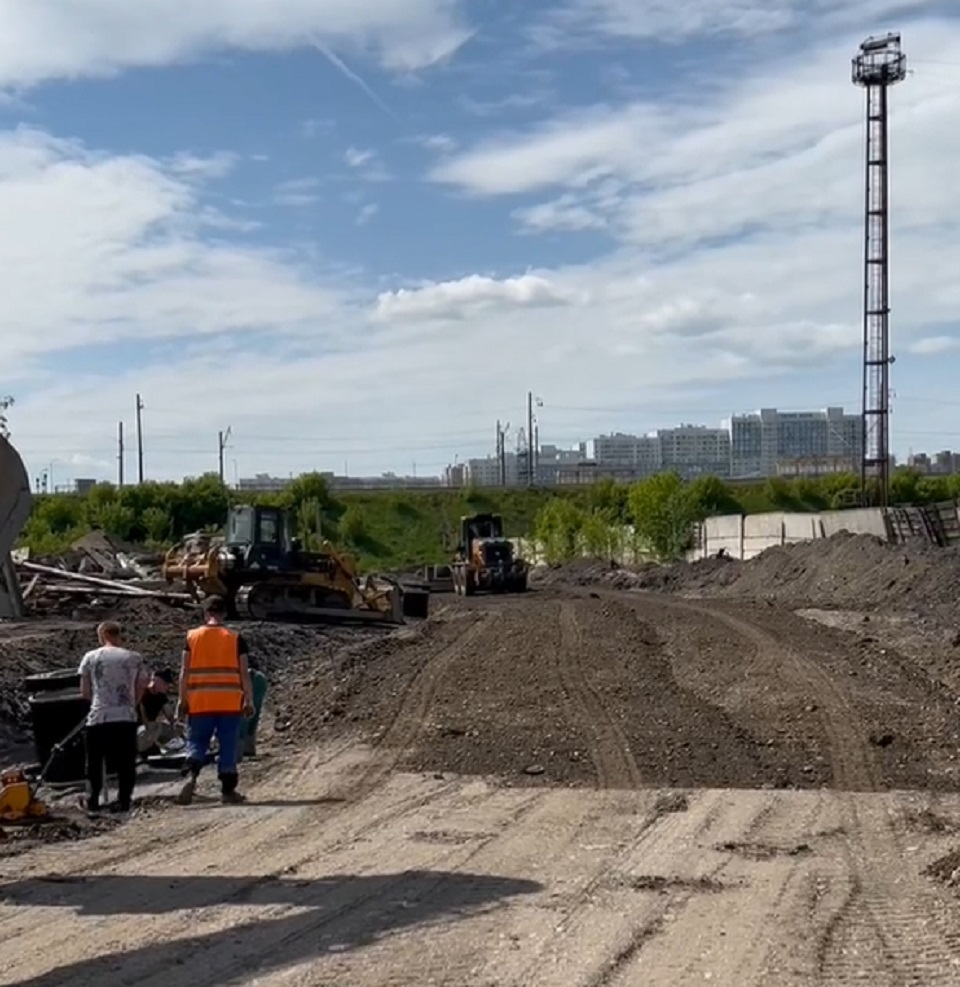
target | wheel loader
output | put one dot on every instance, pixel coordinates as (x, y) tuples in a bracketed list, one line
[(265, 574), (485, 560)]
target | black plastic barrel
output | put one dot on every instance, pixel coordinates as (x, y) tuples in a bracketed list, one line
[(54, 715), (56, 681)]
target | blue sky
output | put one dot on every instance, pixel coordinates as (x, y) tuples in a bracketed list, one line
[(359, 237)]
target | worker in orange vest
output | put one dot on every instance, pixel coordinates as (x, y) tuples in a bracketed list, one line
[(216, 693)]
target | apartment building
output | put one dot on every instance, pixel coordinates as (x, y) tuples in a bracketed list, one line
[(633, 455), (695, 450), (765, 438)]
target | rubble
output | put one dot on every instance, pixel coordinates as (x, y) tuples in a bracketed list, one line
[(95, 569)]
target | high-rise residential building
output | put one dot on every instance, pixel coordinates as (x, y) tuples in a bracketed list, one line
[(695, 450), (637, 454), (762, 440)]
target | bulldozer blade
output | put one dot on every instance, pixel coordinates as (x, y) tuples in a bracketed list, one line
[(16, 502)]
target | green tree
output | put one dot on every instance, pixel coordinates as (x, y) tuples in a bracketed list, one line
[(308, 487), (155, 522), (352, 526), (712, 496), (557, 528), (664, 512)]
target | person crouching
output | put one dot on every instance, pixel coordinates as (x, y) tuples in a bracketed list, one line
[(215, 694)]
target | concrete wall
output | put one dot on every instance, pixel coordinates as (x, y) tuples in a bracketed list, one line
[(726, 533), (760, 532), (746, 537), (858, 521)]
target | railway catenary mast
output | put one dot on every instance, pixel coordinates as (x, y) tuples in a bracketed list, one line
[(878, 65)]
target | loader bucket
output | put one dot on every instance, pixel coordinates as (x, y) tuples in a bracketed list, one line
[(416, 602), (16, 502)]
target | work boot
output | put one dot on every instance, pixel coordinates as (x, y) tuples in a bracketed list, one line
[(185, 797), (228, 789)]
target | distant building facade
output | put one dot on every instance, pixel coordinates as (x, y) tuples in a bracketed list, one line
[(761, 440)]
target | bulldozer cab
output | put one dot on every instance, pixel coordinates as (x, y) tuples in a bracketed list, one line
[(262, 533)]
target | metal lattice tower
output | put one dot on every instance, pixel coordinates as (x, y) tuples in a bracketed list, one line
[(879, 64)]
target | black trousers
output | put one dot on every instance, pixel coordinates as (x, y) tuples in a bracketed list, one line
[(118, 742)]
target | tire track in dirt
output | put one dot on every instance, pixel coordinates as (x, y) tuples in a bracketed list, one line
[(887, 907), (409, 721), (610, 749), (342, 915), (339, 911)]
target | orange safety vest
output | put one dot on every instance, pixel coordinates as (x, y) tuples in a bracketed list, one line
[(214, 683)]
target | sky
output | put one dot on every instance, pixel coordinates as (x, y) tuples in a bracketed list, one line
[(356, 235)]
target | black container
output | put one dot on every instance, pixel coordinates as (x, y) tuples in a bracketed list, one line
[(62, 678), (54, 715)]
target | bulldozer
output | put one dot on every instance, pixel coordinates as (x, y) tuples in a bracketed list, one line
[(485, 560), (264, 574)]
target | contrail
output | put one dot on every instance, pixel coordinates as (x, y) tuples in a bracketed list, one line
[(337, 62)]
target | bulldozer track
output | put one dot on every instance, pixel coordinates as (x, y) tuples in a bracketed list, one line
[(609, 746), (410, 719)]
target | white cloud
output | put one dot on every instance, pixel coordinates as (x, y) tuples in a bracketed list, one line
[(563, 213), (297, 192), (469, 295), (674, 20), (367, 213), (935, 345), (356, 158), (64, 39), (437, 142), (102, 249)]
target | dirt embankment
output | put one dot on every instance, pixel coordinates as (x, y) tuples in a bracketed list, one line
[(857, 572)]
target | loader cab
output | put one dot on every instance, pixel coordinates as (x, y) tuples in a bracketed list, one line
[(474, 527), (262, 534), (485, 532)]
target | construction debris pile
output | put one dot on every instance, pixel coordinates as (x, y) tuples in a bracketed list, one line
[(96, 570)]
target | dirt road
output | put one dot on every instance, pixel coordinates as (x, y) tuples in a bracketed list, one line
[(571, 788)]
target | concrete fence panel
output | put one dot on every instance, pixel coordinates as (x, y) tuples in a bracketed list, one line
[(762, 531), (801, 527), (725, 533), (858, 521)]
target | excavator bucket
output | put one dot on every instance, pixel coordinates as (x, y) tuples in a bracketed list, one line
[(16, 502)]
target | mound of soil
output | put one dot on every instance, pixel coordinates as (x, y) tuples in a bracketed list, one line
[(857, 572)]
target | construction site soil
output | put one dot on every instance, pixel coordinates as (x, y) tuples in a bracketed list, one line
[(614, 752)]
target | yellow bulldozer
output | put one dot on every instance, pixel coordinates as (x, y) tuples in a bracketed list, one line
[(265, 574), (486, 561)]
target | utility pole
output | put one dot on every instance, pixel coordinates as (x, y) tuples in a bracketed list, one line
[(222, 439), (139, 440), (120, 453), (499, 454), (530, 438)]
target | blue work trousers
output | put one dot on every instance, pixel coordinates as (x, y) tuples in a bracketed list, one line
[(202, 728)]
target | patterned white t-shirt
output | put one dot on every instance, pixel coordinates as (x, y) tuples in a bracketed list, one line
[(115, 674)]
